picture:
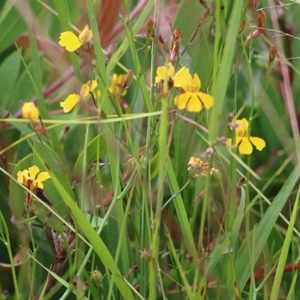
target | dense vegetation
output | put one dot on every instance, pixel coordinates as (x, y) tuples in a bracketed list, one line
[(149, 149)]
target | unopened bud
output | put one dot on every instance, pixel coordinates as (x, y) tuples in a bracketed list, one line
[(203, 3), (241, 181), (272, 55), (133, 268), (109, 54), (241, 27), (145, 254), (97, 278), (175, 43), (5, 294), (127, 80), (150, 28), (261, 19), (209, 152)]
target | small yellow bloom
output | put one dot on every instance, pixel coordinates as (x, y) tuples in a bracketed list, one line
[(71, 42), (165, 73), (71, 101), (191, 99), (30, 112), (243, 140), (198, 167), (117, 87), (31, 179)]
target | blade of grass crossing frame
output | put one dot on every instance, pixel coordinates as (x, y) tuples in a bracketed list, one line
[(97, 243), (36, 78), (162, 154), (284, 251), (222, 76), (135, 29), (64, 18), (264, 228), (180, 210)]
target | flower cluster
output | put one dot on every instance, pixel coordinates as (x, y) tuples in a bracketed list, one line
[(197, 167), (117, 85), (191, 98)]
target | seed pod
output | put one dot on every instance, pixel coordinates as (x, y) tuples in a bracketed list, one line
[(261, 19), (241, 27), (97, 277), (175, 43), (272, 55)]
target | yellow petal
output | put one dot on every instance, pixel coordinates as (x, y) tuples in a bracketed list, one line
[(194, 104), (117, 84), (21, 175), (258, 142), (29, 111), (70, 102), (85, 35), (97, 95), (242, 129), (229, 142), (195, 83), (33, 171), (84, 91), (43, 176), (245, 146), (181, 100), (171, 70), (206, 99), (92, 84), (39, 185), (69, 40), (161, 73), (183, 78)]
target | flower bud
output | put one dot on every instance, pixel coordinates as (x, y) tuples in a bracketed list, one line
[(30, 112), (241, 27), (150, 29), (175, 43), (109, 54), (261, 19), (272, 55), (97, 278), (241, 181), (127, 80), (5, 294)]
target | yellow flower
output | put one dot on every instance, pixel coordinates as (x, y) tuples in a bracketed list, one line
[(30, 112), (71, 42), (73, 99), (198, 167), (165, 73), (31, 179), (243, 140), (191, 99), (118, 83)]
